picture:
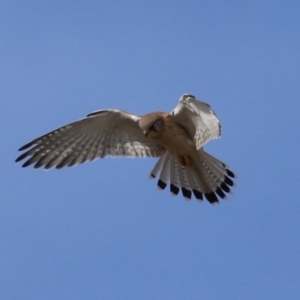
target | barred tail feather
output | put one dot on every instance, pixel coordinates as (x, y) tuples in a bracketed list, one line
[(208, 176), (169, 171)]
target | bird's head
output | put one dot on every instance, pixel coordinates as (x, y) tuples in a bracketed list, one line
[(186, 98), (152, 124)]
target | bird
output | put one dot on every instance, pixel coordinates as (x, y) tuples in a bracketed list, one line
[(177, 139)]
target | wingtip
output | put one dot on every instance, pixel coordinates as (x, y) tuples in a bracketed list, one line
[(21, 157), (26, 164), (26, 146), (230, 173), (23, 148)]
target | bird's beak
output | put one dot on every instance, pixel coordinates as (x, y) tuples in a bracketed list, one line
[(145, 132)]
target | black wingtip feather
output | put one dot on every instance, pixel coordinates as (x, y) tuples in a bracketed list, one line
[(220, 193), (27, 163), (28, 145), (230, 174), (225, 187), (228, 181), (18, 159), (37, 166), (174, 189), (61, 165), (161, 184), (21, 157)]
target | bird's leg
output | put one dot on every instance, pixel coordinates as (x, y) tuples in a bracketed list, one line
[(185, 160)]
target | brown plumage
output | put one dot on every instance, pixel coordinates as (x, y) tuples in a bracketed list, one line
[(170, 134), (176, 138)]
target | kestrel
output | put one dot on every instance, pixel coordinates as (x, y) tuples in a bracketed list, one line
[(177, 138)]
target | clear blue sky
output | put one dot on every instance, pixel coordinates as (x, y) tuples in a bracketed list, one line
[(102, 230)]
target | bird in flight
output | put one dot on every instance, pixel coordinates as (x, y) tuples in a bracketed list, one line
[(176, 138)]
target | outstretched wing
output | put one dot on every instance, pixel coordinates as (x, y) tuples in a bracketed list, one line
[(198, 119), (102, 133)]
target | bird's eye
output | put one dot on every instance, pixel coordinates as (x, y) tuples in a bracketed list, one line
[(157, 126)]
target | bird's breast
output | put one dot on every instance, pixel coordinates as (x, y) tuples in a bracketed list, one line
[(175, 139)]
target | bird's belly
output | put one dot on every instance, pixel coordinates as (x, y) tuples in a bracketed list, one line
[(180, 146)]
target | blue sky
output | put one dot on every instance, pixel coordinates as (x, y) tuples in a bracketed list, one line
[(102, 230)]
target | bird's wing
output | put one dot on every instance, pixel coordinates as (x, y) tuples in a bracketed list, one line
[(102, 133), (198, 119)]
